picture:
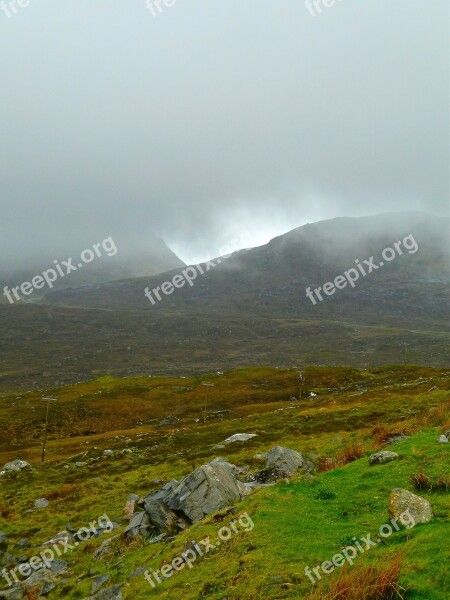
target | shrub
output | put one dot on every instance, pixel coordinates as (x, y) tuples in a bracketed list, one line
[(324, 494)]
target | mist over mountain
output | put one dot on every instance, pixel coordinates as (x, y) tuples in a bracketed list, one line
[(272, 279), (116, 258)]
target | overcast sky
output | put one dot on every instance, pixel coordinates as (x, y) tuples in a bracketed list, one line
[(216, 119)]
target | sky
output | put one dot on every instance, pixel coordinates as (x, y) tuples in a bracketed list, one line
[(216, 123)]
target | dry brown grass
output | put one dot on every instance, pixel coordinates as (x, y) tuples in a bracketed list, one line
[(421, 481), (364, 583), (64, 492), (327, 464), (5, 511), (350, 453)]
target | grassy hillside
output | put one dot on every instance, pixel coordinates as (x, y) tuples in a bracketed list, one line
[(171, 427)]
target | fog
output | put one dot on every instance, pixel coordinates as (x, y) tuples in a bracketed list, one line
[(216, 122)]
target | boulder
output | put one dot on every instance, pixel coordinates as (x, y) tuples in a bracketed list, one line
[(443, 438), (41, 503), (42, 582), (281, 463), (284, 460), (156, 506), (380, 458), (17, 466), (209, 488), (239, 437), (111, 593), (401, 500)]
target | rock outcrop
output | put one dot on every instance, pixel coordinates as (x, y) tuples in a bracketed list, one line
[(178, 504)]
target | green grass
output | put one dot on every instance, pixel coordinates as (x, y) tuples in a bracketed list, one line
[(296, 524)]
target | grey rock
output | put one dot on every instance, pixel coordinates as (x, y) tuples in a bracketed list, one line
[(139, 525), (401, 500), (3, 543), (111, 593), (284, 460), (262, 457), (98, 582), (17, 465), (108, 452), (22, 544), (14, 593), (383, 457), (42, 581), (281, 463), (41, 503), (252, 485), (7, 559), (209, 488), (397, 438), (138, 571), (156, 506), (239, 437), (130, 506), (158, 538), (79, 464), (58, 566), (308, 466), (60, 538), (443, 439), (104, 548)]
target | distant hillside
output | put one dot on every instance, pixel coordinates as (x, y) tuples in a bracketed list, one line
[(249, 310), (271, 280), (119, 260)]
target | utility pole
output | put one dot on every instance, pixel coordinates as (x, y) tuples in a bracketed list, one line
[(207, 385), (48, 400), (301, 381)]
